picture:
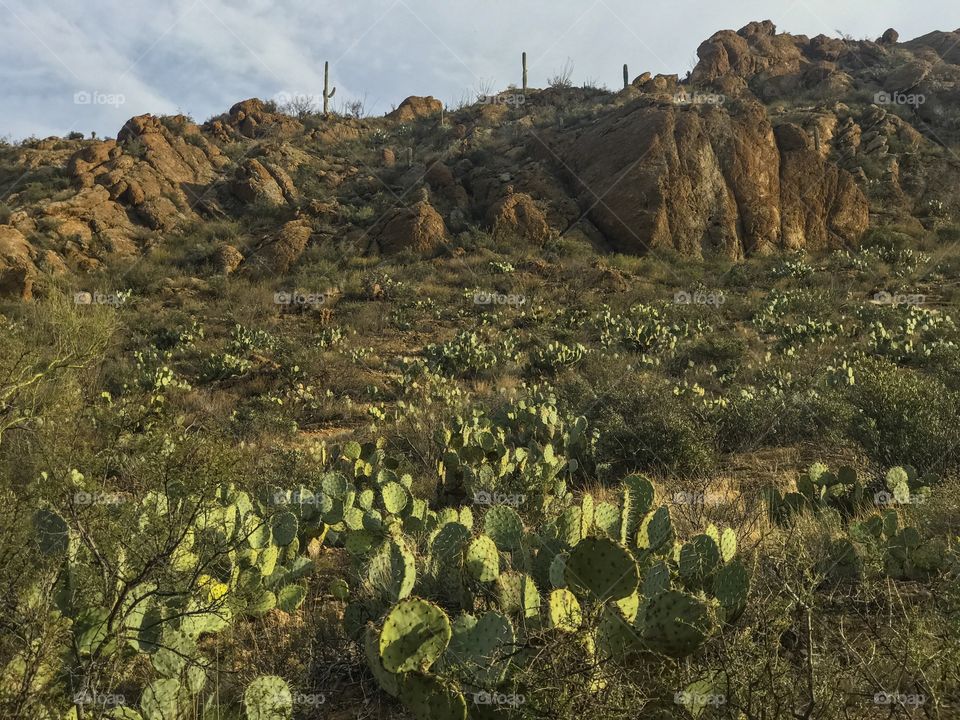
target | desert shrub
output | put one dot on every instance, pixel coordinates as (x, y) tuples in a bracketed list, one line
[(643, 426), (905, 417)]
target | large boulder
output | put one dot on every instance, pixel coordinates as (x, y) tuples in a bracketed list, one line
[(252, 118), (517, 217), (414, 108), (17, 269), (419, 228)]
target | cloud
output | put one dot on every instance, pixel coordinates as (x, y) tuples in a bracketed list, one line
[(201, 56)]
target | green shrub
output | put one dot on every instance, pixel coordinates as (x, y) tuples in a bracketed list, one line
[(905, 417)]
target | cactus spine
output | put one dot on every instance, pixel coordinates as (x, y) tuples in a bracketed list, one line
[(327, 92), (524, 72)]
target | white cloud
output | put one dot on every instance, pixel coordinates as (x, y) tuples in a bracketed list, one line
[(201, 56)]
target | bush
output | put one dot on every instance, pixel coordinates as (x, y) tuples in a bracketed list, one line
[(905, 417)]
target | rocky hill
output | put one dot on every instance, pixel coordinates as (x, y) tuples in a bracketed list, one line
[(772, 142)]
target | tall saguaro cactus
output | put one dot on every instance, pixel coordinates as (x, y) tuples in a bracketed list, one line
[(327, 92), (626, 76), (524, 72)]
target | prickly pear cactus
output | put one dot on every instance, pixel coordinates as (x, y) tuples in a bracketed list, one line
[(480, 650), (414, 635), (601, 569), (656, 531), (638, 497), (698, 560), (504, 526), (731, 586), (481, 559), (429, 697), (674, 623), (564, 612)]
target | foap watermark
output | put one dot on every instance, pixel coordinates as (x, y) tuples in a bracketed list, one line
[(295, 498), (896, 698), (98, 298), (885, 498), (698, 98), (715, 299), (696, 498), (491, 298), (899, 98), (82, 497), (509, 99), (482, 497), (299, 299), (85, 697), (494, 698), (686, 697), (886, 298), (312, 700), (95, 97)]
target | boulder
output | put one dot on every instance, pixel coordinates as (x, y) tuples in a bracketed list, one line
[(517, 217), (419, 228), (278, 253), (226, 259), (17, 269), (889, 37), (414, 108)]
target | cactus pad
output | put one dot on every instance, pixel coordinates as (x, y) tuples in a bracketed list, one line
[(656, 530), (728, 545), (675, 624), (504, 526), (731, 585), (602, 569), (395, 497), (428, 697), (414, 635), (564, 611), (606, 518), (481, 648), (268, 698), (698, 559), (283, 528), (482, 560)]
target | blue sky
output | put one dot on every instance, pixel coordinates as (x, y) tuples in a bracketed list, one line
[(68, 65)]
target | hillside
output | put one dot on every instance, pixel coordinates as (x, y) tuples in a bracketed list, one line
[(566, 403)]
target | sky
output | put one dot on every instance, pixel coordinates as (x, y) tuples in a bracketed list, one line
[(89, 65)]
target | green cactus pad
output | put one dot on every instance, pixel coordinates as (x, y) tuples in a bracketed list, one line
[(414, 635), (365, 499), (698, 559), (371, 649), (393, 570), (283, 528), (558, 570), (587, 514), (656, 531), (637, 499), (570, 526), (615, 636), (606, 518), (602, 569), (481, 648), (564, 611), (504, 526), (163, 700), (263, 603), (728, 545), (268, 698), (449, 542), (290, 597), (517, 593), (482, 560), (675, 624), (656, 580), (731, 586), (428, 697), (395, 497)]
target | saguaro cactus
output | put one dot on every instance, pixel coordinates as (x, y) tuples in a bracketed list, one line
[(626, 76), (524, 72), (327, 92)]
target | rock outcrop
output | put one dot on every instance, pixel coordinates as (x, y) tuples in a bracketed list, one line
[(414, 108), (517, 217), (17, 269), (702, 180)]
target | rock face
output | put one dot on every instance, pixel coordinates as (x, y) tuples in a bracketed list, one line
[(419, 228), (709, 181), (258, 182), (252, 119), (414, 108)]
